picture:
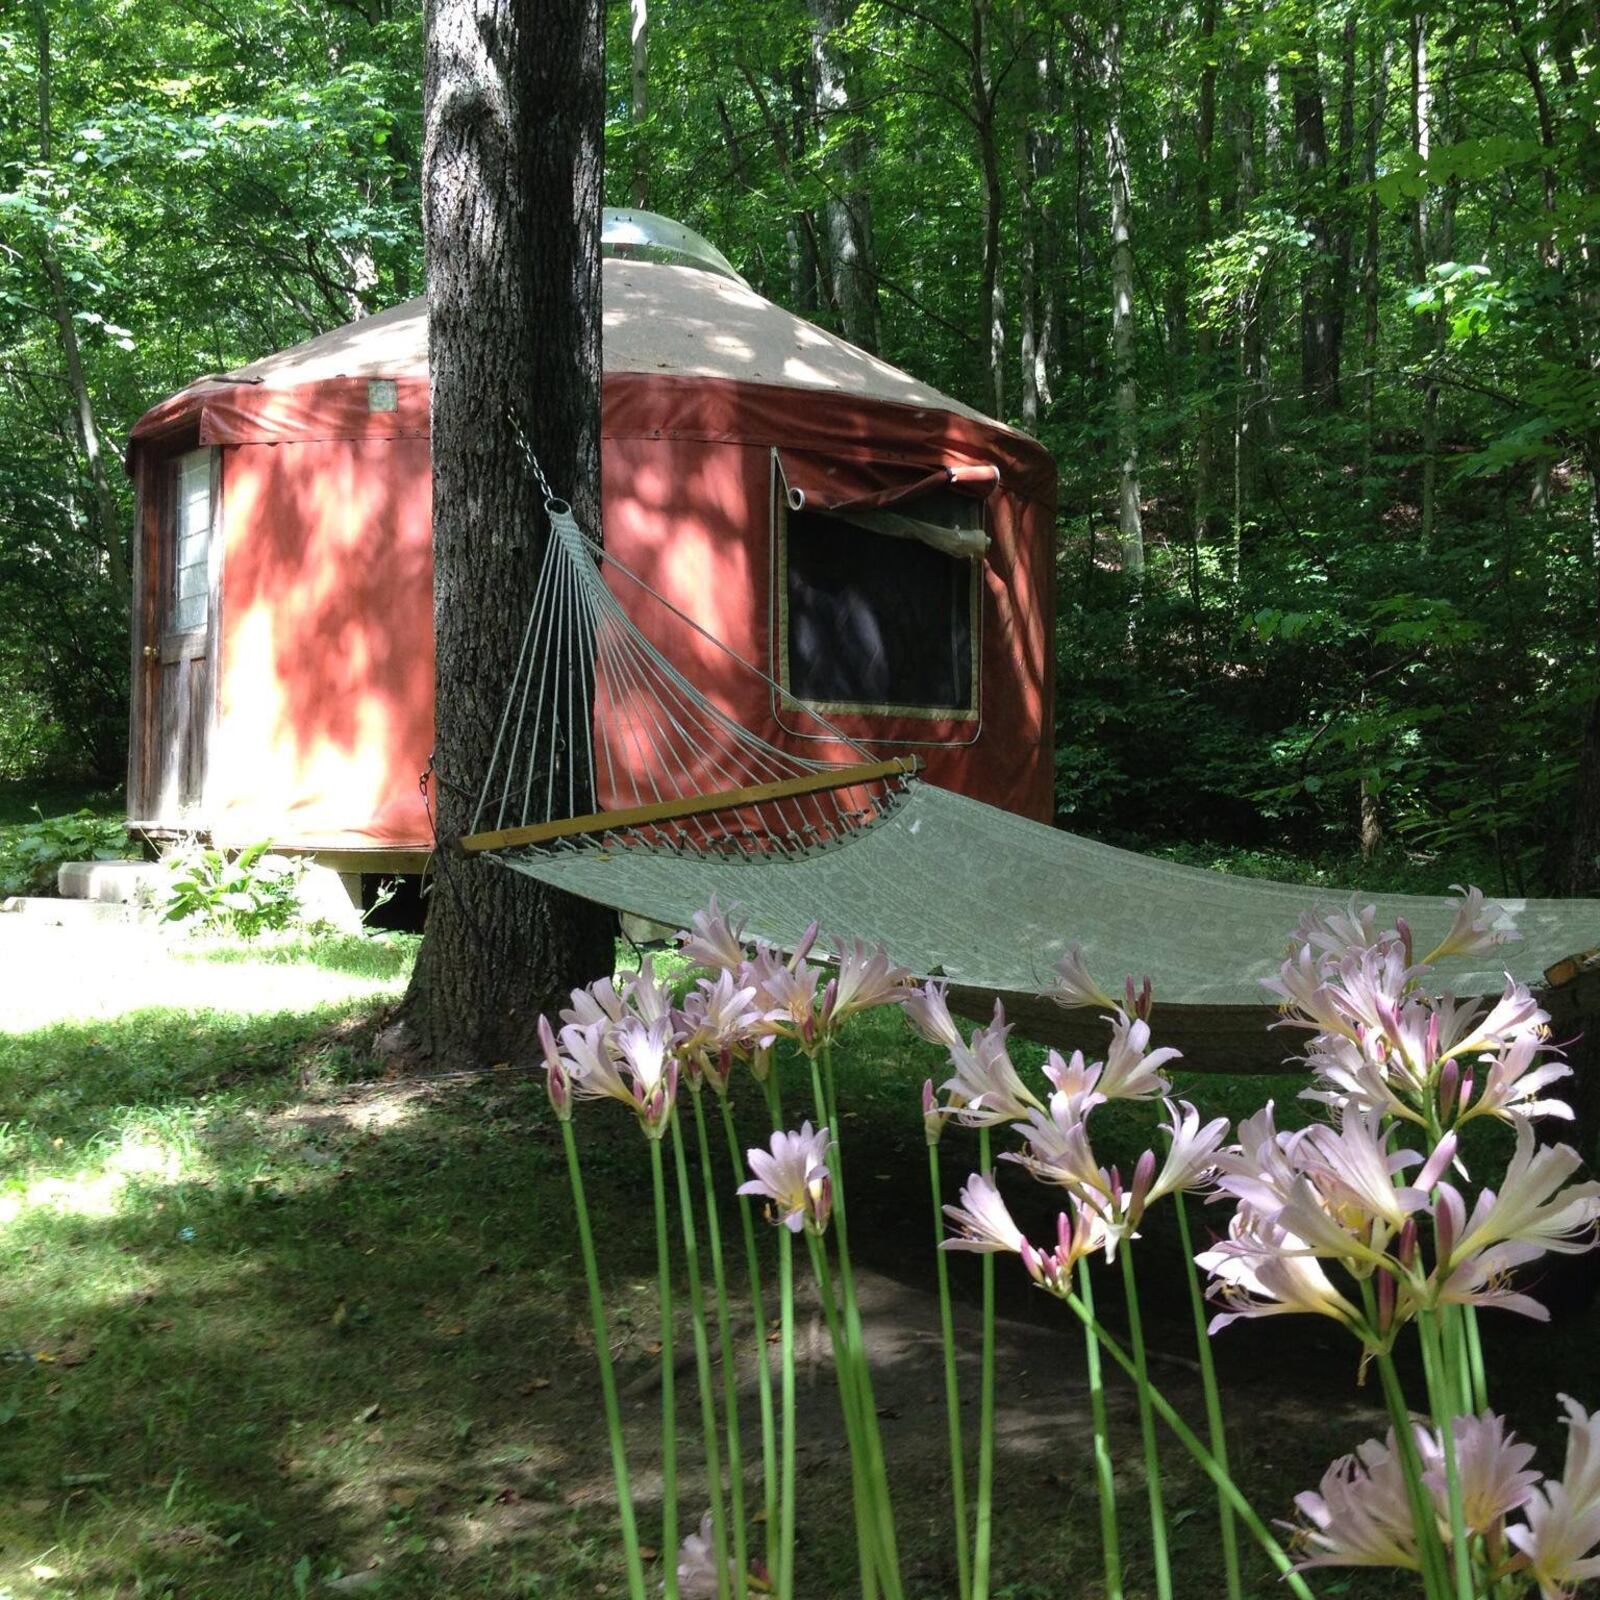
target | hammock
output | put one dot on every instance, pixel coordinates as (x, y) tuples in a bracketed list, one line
[(690, 804)]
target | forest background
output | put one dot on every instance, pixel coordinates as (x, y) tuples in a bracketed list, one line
[(1303, 298)]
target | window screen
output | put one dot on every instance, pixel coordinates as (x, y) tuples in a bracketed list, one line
[(191, 544), (875, 621)]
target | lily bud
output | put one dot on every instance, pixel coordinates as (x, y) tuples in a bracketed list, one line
[(1406, 1252), (560, 1088), (803, 949), (1386, 1297), (1449, 1084), (932, 1116)]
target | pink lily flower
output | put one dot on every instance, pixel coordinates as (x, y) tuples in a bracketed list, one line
[(928, 1012), (986, 1087), (1074, 986), (1561, 1542), (1530, 1207), (866, 978), (793, 1175), (1263, 1270), (711, 941), (983, 1220), (1359, 1515), (1513, 1085), (1339, 933), (1479, 927), (651, 1071), (599, 1002), (1133, 1070), (1491, 1466)]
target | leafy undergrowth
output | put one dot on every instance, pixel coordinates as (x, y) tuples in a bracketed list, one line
[(274, 1325)]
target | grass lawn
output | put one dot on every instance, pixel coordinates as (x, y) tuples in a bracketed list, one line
[(272, 1324)]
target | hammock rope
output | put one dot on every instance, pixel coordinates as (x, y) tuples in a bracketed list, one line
[(604, 744), (660, 799)]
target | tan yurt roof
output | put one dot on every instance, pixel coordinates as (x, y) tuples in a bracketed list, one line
[(659, 318)]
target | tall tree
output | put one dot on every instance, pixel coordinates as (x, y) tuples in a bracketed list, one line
[(513, 101), (1124, 374)]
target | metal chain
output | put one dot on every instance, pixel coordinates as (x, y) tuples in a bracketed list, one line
[(552, 501)]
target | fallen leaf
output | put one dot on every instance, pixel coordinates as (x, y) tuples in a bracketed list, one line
[(370, 1413), (536, 1385)]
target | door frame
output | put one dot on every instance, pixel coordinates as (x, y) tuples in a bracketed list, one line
[(155, 507)]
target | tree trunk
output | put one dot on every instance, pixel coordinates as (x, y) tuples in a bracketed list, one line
[(1130, 517), (106, 522), (1421, 254), (1379, 60), (1583, 859), (513, 102), (1319, 362), (849, 212), (639, 96), (1205, 438), (993, 295)]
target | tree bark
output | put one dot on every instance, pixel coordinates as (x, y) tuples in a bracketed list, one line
[(993, 294), (107, 527), (1130, 516), (639, 95), (513, 101), (849, 211), (1205, 439), (1379, 59)]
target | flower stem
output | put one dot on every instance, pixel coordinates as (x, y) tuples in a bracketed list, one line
[(1147, 1429), (608, 1380), (730, 1365), (1207, 1463), (1435, 1579), (856, 1344), (669, 1407), (752, 1257), (983, 1540), (1442, 1398), (785, 1568), (702, 1362), (1105, 1479), (952, 1385), (1480, 1383), (879, 1532), (1208, 1376)]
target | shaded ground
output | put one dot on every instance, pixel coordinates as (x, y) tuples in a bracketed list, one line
[(272, 1327)]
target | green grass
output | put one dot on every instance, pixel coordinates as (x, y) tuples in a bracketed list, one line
[(269, 1319)]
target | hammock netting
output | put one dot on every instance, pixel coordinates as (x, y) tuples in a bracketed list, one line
[(676, 802)]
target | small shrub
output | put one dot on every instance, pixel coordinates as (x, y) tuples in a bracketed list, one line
[(245, 892), (30, 852)]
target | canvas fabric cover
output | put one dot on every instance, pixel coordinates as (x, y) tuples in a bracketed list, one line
[(325, 669)]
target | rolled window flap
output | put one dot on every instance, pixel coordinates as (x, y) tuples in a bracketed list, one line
[(965, 543)]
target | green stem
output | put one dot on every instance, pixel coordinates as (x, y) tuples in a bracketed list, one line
[(1105, 1478), (608, 1380), (879, 1534), (1147, 1429), (702, 1362), (669, 1407), (730, 1365), (856, 1346), (1442, 1399), (1208, 1377), (952, 1385), (1435, 1578), (1480, 1382), (983, 1540), (785, 1569), (752, 1257), (1203, 1458)]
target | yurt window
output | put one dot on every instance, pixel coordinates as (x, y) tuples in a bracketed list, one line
[(191, 544), (881, 607)]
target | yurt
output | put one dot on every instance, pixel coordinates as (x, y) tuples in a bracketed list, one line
[(869, 548)]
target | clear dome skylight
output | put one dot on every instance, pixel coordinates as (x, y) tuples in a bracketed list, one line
[(645, 236)]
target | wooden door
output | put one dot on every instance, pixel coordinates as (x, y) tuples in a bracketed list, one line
[(177, 691)]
